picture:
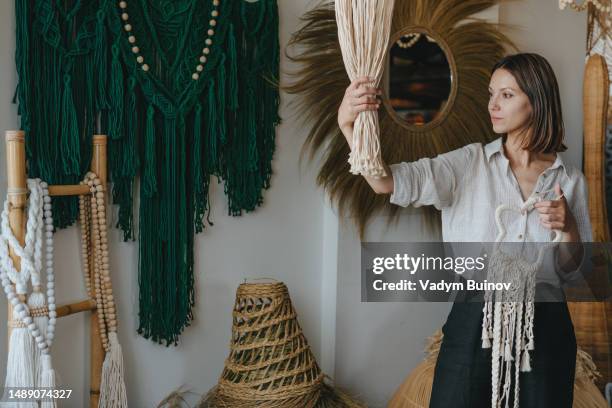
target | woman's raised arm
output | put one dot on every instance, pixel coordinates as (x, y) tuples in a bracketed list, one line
[(427, 181)]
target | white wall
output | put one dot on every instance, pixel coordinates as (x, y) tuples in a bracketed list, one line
[(294, 237)]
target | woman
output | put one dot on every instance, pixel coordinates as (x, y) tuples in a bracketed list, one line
[(467, 185)]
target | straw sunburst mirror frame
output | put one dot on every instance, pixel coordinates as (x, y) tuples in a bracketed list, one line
[(471, 46)]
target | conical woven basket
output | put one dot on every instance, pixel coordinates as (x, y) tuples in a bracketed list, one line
[(415, 392), (270, 363)]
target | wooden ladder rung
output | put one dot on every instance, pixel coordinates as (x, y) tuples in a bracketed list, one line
[(68, 190), (77, 307)]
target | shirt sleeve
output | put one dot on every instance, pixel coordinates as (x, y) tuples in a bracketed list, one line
[(580, 209), (430, 181), (579, 206)]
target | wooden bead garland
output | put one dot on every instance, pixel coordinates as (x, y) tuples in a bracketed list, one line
[(92, 216), (210, 32)]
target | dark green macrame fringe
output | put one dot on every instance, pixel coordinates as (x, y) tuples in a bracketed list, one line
[(55, 104), (78, 76)]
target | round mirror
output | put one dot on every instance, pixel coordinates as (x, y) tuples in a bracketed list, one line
[(418, 78)]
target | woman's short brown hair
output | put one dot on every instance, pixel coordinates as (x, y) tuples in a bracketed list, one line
[(537, 80)]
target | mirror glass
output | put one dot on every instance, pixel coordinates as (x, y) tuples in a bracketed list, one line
[(418, 78)]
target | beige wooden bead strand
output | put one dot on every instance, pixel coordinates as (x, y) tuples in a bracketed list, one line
[(97, 254), (104, 270), (95, 230), (94, 233), (85, 236), (129, 29)]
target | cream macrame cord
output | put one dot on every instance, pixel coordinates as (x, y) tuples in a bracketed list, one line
[(508, 316), (29, 360), (363, 33)]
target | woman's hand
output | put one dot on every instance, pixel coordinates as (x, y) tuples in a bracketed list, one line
[(359, 97), (556, 215)]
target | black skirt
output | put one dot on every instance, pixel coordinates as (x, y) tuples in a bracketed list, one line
[(462, 377)]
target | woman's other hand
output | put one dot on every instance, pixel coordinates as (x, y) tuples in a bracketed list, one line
[(556, 215)]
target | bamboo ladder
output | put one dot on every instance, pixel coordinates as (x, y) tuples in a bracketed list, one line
[(16, 175)]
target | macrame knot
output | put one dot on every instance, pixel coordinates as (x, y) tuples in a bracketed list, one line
[(166, 107), (115, 50)]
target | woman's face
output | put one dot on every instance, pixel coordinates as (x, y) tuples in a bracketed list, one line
[(509, 106)]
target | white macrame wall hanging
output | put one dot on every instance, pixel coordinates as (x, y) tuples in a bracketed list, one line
[(508, 315)]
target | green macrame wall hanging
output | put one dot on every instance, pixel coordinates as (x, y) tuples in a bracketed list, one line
[(185, 89)]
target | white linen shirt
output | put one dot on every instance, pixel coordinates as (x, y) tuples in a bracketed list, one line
[(469, 183)]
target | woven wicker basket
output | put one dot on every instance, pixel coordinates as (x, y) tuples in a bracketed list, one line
[(270, 363)]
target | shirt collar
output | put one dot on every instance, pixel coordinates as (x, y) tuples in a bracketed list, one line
[(493, 147), (496, 147)]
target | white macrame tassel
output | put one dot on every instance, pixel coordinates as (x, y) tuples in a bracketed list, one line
[(486, 324), (37, 300), (47, 379), (363, 33), (20, 365), (525, 364), (508, 352), (486, 343), (112, 388)]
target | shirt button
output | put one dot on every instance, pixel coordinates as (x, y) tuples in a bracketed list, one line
[(520, 236)]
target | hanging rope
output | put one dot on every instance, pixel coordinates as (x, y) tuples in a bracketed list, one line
[(363, 33), (29, 361)]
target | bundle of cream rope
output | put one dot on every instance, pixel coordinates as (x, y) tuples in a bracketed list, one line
[(363, 33), (29, 362)]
